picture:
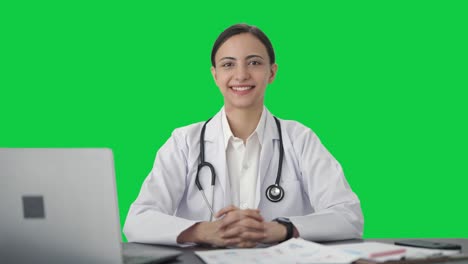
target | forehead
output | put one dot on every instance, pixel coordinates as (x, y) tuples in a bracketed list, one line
[(241, 45)]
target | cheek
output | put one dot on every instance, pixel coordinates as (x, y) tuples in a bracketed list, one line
[(263, 77), (222, 80), (221, 83)]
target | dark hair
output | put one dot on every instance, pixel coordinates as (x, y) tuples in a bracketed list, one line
[(239, 29)]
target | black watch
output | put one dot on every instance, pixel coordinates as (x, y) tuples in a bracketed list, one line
[(288, 224)]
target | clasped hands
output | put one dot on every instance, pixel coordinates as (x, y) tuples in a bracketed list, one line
[(234, 227)]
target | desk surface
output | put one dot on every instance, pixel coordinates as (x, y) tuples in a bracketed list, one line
[(190, 257)]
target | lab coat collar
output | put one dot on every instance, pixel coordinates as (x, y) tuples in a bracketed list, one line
[(214, 129), (258, 132), (270, 131)]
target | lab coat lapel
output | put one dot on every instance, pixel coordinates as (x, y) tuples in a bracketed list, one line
[(266, 155), (216, 155)]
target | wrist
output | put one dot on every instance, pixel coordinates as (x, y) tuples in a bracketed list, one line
[(193, 234), (275, 232), (288, 226), (187, 235), (281, 233), (200, 232)]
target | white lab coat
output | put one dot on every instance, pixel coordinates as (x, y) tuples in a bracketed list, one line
[(317, 199)]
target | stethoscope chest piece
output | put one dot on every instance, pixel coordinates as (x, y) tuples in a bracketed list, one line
[(274, 193)]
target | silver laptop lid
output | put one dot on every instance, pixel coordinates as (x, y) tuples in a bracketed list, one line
[(58, 205)]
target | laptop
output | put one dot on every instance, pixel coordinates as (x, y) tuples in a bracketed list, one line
[(60, 206)]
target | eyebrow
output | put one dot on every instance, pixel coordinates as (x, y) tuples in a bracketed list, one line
[(248, 57), (254, 56)]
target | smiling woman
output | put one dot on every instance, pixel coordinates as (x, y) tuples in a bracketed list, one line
[(262, 179), (242, 72)]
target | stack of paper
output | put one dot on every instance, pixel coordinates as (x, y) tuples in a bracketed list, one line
[(373, 250), (297, 250), (381, 252), (292, 251), (416, 253)]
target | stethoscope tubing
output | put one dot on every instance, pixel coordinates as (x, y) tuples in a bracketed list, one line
[(270, 191)]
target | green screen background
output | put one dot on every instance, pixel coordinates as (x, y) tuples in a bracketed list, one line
[(382, 83)]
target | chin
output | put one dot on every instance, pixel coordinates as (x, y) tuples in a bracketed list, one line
[(242, 105)]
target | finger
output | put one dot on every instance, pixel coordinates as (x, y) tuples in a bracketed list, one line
[(237, 230), (252, 213), (227, 242), (246, 244), (244, 234), (252, 224), (253, 236), (230, 219), (225, 210), (233, 232), (248, 224), (232, 242), (251, 217)]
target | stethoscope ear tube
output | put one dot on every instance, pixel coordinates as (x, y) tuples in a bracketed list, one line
[(202, 164), (197, 181), (213, 175)]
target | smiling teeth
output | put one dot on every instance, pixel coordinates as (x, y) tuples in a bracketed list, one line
[(241, 88)]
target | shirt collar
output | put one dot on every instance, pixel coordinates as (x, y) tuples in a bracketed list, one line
[(259, 131)]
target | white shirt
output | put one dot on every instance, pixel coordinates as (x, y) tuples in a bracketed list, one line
[(242, 163)]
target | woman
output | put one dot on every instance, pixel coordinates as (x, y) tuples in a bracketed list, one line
[(272, 179)]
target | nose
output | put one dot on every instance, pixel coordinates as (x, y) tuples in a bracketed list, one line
[(242, 73)]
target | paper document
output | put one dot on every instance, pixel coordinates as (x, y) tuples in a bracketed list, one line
[(295, 250), (373, 250), (415, 253), (381, 252)]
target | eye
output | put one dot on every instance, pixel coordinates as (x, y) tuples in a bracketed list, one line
[(227, 65), (255, 62)]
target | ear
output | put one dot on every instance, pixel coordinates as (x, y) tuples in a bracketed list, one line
[(213, 72), (273, 70)]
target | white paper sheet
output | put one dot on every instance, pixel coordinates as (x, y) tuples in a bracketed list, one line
[(366, 249), (294, 250)]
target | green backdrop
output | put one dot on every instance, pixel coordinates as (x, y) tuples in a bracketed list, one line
[(383, 84)]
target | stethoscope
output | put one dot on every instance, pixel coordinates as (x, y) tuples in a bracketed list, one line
[(274, 192)]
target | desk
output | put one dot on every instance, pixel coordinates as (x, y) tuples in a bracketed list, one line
[(190, 257)]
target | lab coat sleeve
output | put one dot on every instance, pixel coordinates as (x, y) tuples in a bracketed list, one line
[(151, 217), (337, 210)]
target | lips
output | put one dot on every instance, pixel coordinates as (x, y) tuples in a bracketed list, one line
[(241, 89)]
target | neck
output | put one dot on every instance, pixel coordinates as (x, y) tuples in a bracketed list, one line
[(243, 121)]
